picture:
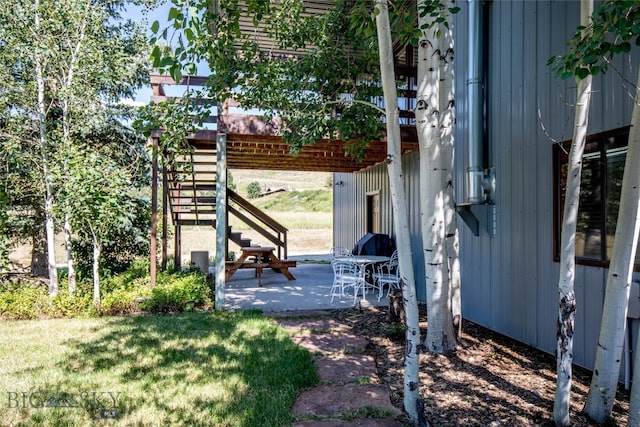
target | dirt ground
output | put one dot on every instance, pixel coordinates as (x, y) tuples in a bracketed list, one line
[(490, 380)]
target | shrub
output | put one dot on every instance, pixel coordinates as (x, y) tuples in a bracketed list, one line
[(64, 304), (137, 275), (31, 300), (126, 293), (253, 190), (22, 302), (173, 292), (123, 301)]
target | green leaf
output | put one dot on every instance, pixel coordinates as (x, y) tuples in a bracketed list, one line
[(167, 62), (188, 33), (190, 68), (176, 72), (156, 56), (566, 75), (581, 73), (155, 27), (590, 59), (173, 13)]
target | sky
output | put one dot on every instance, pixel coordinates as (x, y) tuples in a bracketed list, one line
[(135, 14)]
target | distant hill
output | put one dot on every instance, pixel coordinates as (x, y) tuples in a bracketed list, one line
[(289, 180)]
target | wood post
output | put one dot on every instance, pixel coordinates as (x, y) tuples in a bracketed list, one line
[(177, 247), (154, 211), (221, 218), (165, 216)]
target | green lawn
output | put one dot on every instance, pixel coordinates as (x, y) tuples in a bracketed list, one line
[(221, 369)]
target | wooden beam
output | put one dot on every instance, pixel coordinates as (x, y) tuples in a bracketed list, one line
[(186, 80)]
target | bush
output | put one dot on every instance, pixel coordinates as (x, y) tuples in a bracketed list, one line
[(173, 292), (123, 301), (22, 302), (32, 301), (137, 275), (126, 293), (254, 190)]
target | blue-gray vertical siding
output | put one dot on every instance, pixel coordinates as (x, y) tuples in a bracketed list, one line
[(509, 282)]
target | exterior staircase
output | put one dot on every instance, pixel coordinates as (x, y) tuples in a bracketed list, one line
[(191, 198)]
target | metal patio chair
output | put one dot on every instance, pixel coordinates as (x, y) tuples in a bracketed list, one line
[(347, 274), (387, 273), (337, 251)]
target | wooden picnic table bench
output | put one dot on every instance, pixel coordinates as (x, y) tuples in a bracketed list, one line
[(263, 257)]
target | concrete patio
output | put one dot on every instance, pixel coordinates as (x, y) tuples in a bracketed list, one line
[(310, 290)]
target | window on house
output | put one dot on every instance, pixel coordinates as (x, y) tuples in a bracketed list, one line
[(601, 182)]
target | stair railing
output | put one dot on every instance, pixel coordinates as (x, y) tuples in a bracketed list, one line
[(259, 221)]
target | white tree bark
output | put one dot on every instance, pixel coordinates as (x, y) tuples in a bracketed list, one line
[(566, 293), (440, 336), (96, 272), (44, 155), (401, 216), (447, 126), (612, 330), (66, 83), (70, 262)]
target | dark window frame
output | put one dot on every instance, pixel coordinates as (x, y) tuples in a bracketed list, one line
[(597, 147)]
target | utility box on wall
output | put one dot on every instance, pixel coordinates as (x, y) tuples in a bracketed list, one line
[(200, 259)]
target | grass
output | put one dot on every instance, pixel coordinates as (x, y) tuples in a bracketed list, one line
[(223, 369), (297, 201)]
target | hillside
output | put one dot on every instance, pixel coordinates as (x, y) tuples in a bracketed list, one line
[(289, 180), (306, 209)]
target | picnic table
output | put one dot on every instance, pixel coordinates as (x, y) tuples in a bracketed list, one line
[(258, 258)]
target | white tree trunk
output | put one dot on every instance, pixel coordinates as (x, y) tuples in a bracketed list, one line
[(44, 156), (566, 293), (400, 217), (96, 272), (612, 330), (633, 155), (70, 262), (447, 126), (440, 337), (67, 82)]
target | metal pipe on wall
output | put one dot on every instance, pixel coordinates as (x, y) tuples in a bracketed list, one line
[(475, 167)]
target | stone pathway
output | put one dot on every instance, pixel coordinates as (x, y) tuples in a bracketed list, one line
[(350, 393)]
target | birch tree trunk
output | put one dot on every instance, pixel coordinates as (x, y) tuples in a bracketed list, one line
[(447, 126), (400, 217), (44, 156), (67, 84), (96, 272), (70, 262), (612, 329), (566, 293), (440, 337)]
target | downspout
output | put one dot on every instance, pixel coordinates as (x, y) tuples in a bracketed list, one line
[(475, 166)]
